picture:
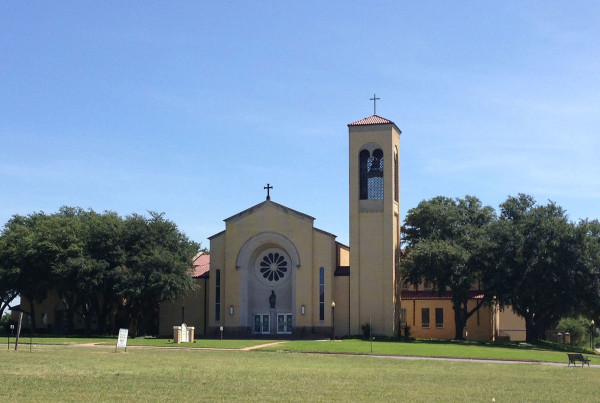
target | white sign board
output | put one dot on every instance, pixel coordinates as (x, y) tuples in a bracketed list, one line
[(122, 340)]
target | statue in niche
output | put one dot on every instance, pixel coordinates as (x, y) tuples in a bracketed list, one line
[(272, 299)]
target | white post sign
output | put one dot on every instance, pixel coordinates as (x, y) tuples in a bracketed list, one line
[(122, 340)]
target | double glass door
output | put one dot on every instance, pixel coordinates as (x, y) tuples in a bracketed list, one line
[(284, 323), (262, 323)]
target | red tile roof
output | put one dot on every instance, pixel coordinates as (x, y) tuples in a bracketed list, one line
[(372, 120), (201, 265), (434, 295)]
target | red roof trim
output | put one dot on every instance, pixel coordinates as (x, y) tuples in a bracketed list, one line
[(372, 120)]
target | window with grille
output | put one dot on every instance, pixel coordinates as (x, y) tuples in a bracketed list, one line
[(371, 174)]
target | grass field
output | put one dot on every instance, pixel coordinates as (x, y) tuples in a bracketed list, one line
[(422, 348), (53, 373), (139, 341), (431, 349)]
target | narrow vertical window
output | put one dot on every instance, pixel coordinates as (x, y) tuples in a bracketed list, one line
[(425, 317), (396, 179), (218, 295), (362, 163), (321, 294), (439, 317)]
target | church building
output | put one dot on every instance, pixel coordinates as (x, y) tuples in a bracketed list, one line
[(272, 273)]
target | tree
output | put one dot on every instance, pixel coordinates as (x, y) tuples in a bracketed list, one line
[(8, 282), (445, 241), (94, 262), (89, 254), (540, 264), (104, 256), (64, 235), (591, 260), (9, 276), (157, 267), (26, 254)]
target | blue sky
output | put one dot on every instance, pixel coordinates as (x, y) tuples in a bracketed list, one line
[(191, 108)]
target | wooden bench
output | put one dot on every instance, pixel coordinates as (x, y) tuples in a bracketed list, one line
[(574, 358)]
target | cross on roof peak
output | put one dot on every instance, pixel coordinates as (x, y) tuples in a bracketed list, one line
[(268, 187)]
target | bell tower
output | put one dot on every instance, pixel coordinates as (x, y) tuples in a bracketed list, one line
[(374, 225)]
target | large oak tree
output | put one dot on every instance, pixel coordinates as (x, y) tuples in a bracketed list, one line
[(157, 267), (544, 266), (445, 240), (94, 262)]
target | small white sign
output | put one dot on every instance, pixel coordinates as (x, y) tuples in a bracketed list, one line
[(122, 340)]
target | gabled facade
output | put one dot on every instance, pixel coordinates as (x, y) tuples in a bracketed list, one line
[(272, 272)]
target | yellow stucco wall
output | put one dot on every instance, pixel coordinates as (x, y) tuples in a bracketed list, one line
[(511, 325), (342, 305), (47, 307), (479, 326), (189, 309), (217, 262)]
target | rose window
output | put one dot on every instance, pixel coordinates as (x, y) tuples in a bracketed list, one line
[(273, 266)]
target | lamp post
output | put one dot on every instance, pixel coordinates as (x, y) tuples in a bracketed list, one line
[(333, 320), (592, 334)]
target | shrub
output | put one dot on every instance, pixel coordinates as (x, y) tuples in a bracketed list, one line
[(367, 331), (578, 327), (406, 332), (5, 323)]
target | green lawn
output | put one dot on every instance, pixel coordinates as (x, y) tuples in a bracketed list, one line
[(430, 349), (422, 348), (53, 373), (138, 341)]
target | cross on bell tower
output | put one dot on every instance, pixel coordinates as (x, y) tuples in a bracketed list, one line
[(268, 187), (374, 99)]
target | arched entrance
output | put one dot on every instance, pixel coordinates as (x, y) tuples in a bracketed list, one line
[(268, 264)]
